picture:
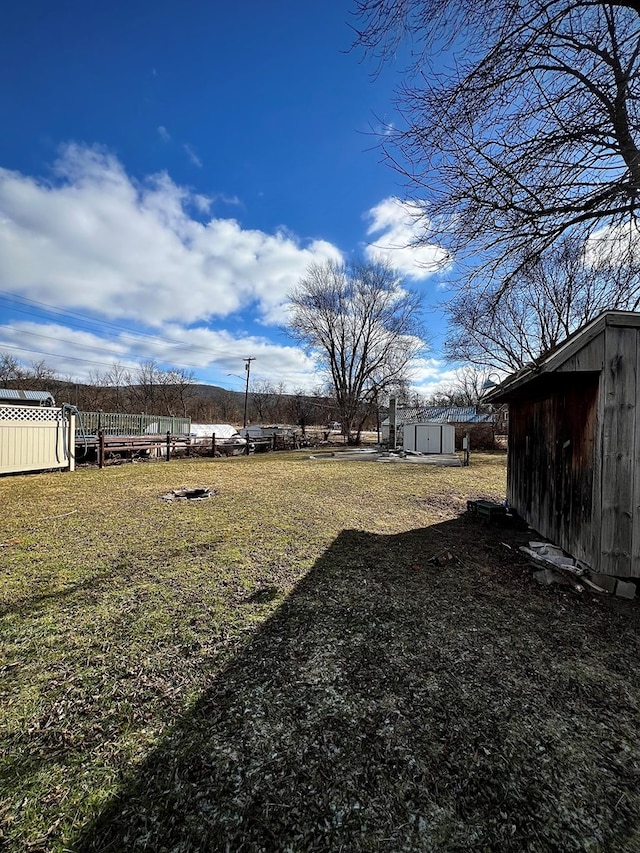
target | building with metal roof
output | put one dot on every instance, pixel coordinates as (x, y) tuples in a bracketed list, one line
[(10, 396), (436, 415)]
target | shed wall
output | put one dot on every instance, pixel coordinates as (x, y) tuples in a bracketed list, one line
[(590, 357), (551, 461), (617, 502)]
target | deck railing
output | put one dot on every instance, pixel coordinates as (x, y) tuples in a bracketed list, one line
[(118, 423)]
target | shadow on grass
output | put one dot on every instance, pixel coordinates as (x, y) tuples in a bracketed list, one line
[(393, 704), (96, 582), (101, 581)]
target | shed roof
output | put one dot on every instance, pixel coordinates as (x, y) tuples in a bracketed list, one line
[(15, 396), (554, 358), (440, 415)]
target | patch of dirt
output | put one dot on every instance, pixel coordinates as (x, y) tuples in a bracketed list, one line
[(448, 505), (442, 504)]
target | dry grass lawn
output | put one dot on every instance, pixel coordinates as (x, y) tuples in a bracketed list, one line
[(285, 667)]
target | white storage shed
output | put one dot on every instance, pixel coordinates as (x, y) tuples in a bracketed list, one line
[(429, 438)]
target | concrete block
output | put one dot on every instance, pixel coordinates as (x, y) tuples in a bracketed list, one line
[(607, 582), (548, 576), (625, 589)]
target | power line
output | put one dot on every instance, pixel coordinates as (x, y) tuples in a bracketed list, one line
[(64, 313), (96, 348), (86, 324), (98, 324), (57, 355)]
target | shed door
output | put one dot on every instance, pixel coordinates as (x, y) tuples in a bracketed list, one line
[(429, 438)]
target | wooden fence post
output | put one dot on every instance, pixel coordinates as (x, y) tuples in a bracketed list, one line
[(168, 445), (213, 445), (100, 448)]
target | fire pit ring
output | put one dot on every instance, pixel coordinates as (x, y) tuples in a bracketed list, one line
[(189, 494)]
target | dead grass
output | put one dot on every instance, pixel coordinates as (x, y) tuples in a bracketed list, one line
[(282, 667)]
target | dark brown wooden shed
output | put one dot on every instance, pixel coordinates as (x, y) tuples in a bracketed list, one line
[(574, 448)]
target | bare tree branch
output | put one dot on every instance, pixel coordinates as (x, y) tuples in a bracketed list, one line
[(554, 295), (530, 135)]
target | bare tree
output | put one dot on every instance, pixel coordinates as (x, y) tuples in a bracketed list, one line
[(229, 406), (553, 296), (10, 369), (117, 378), (91, 395), (363, 327), (521, 121), (41, 375), (304, 409), (143, 387), (268, 401), (260, 392), (175, 389), (467, 389)]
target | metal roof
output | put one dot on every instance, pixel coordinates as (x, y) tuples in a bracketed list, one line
[(440, 415), (42, 397), (454, 414)]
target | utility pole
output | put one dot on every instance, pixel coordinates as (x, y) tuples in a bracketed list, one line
[(247, 367)]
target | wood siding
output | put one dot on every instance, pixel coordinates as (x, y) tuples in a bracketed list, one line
[(589, 358), (574, 448), (619, 544), (551, 461)]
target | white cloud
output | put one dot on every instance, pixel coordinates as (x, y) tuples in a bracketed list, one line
[(385, 128), (78, 352), (67, 351), (97, 240), (164, 134), (400, 225), (193, 157), (228, 199), (430, 375), (613, 246)]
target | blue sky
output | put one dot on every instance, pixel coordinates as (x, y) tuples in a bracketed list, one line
[(168, 171)]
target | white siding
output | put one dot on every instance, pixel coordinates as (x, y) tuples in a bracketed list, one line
[(35, 439), (430, 438)]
